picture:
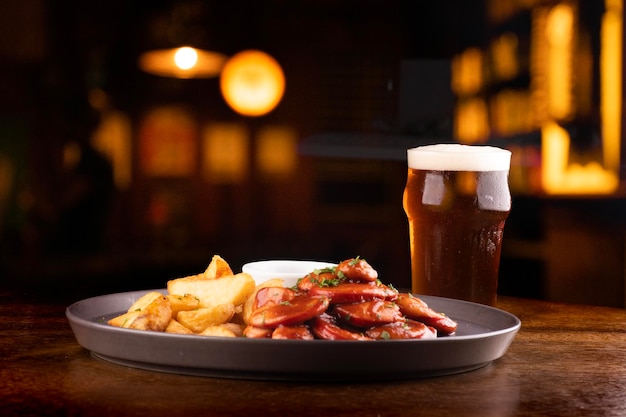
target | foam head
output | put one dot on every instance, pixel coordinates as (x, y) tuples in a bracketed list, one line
[(457, 157)]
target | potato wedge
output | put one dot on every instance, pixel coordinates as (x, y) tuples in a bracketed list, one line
[(198, 320), (236, 328), (247, 306), (144, 301), (218, 268), (155, 316), (183, 303), (233, 289), (220, 330), (177, 328), (124, 320)]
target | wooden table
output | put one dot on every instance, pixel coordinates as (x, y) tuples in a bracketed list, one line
[(567, 360)]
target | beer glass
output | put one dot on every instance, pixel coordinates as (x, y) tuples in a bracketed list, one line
[(457, 199)]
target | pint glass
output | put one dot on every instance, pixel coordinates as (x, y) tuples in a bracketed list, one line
[(457, 200)]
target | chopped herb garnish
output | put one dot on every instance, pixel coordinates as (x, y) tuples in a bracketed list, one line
[(330, 269), (385, 335), (329, 282)]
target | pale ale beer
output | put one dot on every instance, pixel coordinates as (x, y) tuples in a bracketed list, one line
[(457, 200)]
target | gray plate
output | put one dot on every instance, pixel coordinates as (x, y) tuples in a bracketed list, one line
[(484, 334)]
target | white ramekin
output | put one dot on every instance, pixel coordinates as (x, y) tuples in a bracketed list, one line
[(290, 271)]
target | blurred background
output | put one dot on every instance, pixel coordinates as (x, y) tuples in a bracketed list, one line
[(283, 132)]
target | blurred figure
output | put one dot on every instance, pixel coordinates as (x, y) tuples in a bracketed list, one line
[(83, 202), (81, 199)]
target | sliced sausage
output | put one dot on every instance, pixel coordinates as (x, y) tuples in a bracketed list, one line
[(416, 309), (350, 292), (408, 329), (369, 313), (300, 332), (253, 332), (325, 327), (296, 311), (272, 295), (324, 277), (357, 269)]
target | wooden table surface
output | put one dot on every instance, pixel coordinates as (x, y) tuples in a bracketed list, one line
[(567, 360)]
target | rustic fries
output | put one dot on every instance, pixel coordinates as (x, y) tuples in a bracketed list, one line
[(210, 304)]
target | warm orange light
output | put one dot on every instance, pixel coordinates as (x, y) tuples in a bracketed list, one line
[(504, 51), (559, 36), (252, 83), (225, 153), (561, 177), (168, 137), (467, 72), (276, 155), (510, 112), (611, 83), (183, 62), (471, 121), (114, 139)]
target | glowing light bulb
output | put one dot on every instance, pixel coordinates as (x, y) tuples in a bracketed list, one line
[(183, 62), (252, 83), (185, 58)]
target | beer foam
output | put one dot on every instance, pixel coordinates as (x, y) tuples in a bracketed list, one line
[(457, 157)]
